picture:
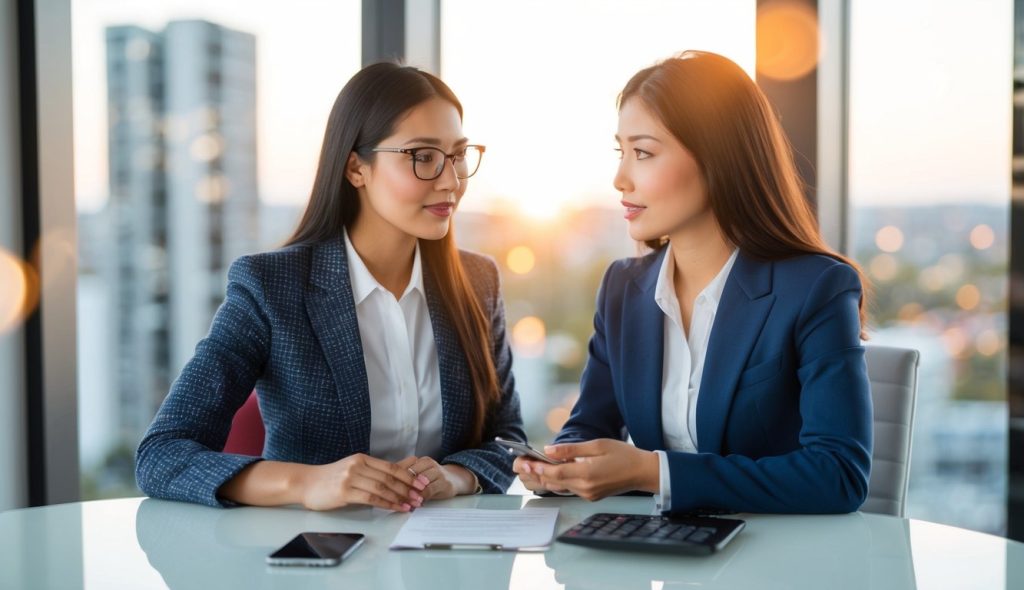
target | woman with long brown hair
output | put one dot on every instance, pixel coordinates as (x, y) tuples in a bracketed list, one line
[(377, 348), (731, 354)]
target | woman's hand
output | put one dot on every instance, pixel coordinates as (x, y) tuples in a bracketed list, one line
[(526, 469), (361, 479), (599, 468), (443, 481)]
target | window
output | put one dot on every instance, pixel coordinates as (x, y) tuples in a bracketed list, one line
[(538, 81), (198, 127), (930, 126)]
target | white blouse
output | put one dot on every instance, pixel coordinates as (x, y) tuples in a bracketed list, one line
[(683, 364), (401, 363)]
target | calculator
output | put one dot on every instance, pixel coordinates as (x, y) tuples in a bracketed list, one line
[(686, 535)]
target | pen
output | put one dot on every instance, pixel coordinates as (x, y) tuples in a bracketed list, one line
[(458, 546)]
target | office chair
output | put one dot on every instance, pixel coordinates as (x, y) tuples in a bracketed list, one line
[(893, 376), (247, 433)]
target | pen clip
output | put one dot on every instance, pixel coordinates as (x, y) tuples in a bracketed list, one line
[(459, 546)]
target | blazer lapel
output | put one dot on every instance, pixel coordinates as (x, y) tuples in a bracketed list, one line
[(644, 322), (332, 313), (457, 403), (742, 311)]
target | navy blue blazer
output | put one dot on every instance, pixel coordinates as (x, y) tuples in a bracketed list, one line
[(784, 418), (288, 327)]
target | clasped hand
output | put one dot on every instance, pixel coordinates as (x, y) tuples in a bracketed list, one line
[(592, 470), (402, 486)]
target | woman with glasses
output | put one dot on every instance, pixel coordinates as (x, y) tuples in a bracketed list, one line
[(377, 348), (731, 354)]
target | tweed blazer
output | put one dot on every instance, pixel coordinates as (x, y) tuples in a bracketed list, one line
[(288, 327)]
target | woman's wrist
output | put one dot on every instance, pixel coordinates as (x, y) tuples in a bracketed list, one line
[(269, 483), (297, 483), (649, 475), (465, 481)]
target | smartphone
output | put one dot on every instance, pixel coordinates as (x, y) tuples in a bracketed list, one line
[(524, 450), (316, 549)]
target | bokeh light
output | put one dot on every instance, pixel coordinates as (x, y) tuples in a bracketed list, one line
[(528, 336), (982, 237), (889, 239), (207, 147), (884, 267), (787, 40), (968, 297), (956, 342), (988, 342), (19, 291), (520, 260)]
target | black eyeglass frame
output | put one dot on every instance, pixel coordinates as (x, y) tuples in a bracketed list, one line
[(413, 151)]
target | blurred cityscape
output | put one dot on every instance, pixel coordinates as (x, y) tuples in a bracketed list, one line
[(181, 207), (939, 281), (183, 204)]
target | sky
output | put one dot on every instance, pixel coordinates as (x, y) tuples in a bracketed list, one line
[(545, 102), (929, 107), (301, 66), (930, 100)]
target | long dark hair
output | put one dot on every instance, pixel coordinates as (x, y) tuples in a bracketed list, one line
[(365, 113), (724, 120)]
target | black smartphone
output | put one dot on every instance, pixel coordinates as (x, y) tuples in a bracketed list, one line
[(524, 450), (316, 549)]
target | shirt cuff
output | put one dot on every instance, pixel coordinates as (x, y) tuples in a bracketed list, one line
[(663, 500), (477, 488)]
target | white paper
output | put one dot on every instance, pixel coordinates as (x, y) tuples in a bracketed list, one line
[(497, 529)]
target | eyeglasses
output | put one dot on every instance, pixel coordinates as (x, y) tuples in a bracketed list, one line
[(428, 162)]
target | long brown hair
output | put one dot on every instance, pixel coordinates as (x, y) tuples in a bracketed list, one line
[(365, 113), (724, 120)]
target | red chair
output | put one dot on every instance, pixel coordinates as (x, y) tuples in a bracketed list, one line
[(247, 433)]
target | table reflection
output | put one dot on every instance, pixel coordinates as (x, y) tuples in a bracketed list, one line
[(851, 551), (192, 545)]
